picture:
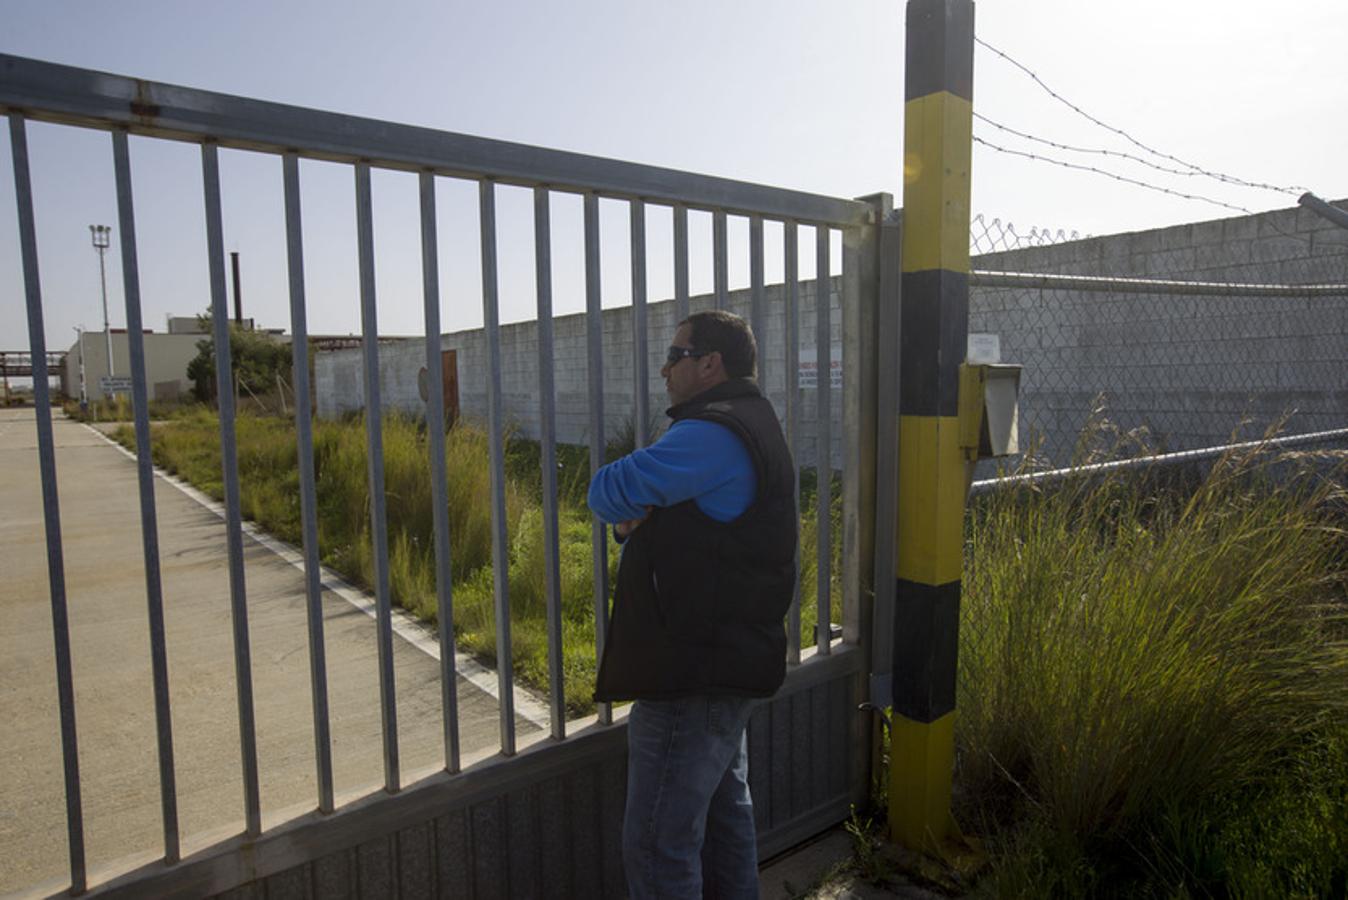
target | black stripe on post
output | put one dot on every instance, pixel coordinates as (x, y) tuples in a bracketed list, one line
[(926, 645), (935, 304), (940, 54)]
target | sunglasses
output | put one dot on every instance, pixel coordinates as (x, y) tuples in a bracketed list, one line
[(678, 353)]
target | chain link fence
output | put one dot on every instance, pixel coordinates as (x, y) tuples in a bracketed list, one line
[(1180, 338)]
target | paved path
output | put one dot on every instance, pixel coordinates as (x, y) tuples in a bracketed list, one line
[(100, 516)]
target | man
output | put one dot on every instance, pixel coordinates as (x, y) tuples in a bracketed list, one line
[(707, 517)]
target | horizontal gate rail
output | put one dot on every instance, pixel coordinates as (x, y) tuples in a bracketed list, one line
[(49, 92)]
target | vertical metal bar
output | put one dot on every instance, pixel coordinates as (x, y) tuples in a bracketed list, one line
[(500, 546), (640, 363), (51, 508), (594, 350), (304, 430), (547, 438), (680, 262), (823, 444), (229, 464), (149, 522), (858, 431), (757, 304), (374, 440), (886, 470), (863, 301), (791, 287), (435, 426), (719, 255)]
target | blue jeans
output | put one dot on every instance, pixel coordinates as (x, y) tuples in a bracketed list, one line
[(688, 830)]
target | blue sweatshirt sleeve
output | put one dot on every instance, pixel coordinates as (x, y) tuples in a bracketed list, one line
[(694, 460)]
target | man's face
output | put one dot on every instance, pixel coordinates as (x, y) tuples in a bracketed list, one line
[(683, 379)]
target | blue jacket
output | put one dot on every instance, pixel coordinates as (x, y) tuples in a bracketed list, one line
[(695, 460)]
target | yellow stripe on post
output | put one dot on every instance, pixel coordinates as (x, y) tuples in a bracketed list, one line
[(919, 793), (937, 152)]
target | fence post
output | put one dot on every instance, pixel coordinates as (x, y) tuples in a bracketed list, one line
[(938, 121), (862, 311)]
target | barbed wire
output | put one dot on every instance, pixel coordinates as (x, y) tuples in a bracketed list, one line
[(1114, 175), (1119, 154), (1219, 176)]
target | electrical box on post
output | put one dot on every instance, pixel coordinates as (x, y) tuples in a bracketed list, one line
[(989, 416)]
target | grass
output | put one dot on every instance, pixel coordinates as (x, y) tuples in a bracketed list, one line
[(1153, 684), (269, 495), (118, 408), (1153, 694)]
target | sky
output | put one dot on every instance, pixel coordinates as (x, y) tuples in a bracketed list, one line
[(791, 93)]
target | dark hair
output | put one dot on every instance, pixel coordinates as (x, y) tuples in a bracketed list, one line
[(727, 334)]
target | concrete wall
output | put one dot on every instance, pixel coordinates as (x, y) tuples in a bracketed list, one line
[(1189, 368), (339, 388)]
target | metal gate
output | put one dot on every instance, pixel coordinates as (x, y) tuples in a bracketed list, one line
[(540, 817)]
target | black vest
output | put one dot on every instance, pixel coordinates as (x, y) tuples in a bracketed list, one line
[(699, 604)]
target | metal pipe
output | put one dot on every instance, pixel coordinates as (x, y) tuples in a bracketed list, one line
[(101, 235), (1034, 281), (1160, 459), (374, 439), (887, 472), (435, 426), (304, 430), (823, 444), (757, 302), (640, 357), (51, 506), (238, 291), (594, 351), (719, 257), (791, 288), (1324, 210), (149, 525), (547, 441), (229, 463), (500, 541), (680, 262)]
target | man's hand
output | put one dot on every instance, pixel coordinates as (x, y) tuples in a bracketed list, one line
[(623, 529)]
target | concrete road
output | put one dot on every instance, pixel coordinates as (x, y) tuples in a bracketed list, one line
[(105, 578)]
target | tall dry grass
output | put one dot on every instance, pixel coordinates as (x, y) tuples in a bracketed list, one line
[(1133, 659)]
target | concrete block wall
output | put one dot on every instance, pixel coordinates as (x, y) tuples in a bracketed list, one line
[(1188, 368), (339, 387)]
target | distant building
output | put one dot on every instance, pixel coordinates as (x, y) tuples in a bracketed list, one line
[(166, 359)]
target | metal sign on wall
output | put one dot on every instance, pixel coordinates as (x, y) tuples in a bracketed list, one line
[(808, 373), (115, 384)]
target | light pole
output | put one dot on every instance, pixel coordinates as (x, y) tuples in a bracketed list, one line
[(101, 235), (84, 394)]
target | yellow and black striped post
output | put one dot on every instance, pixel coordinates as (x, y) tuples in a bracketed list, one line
[(938, 122)]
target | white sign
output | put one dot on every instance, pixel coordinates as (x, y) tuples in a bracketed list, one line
[(115, 384), (984, 349), (809, 368)]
